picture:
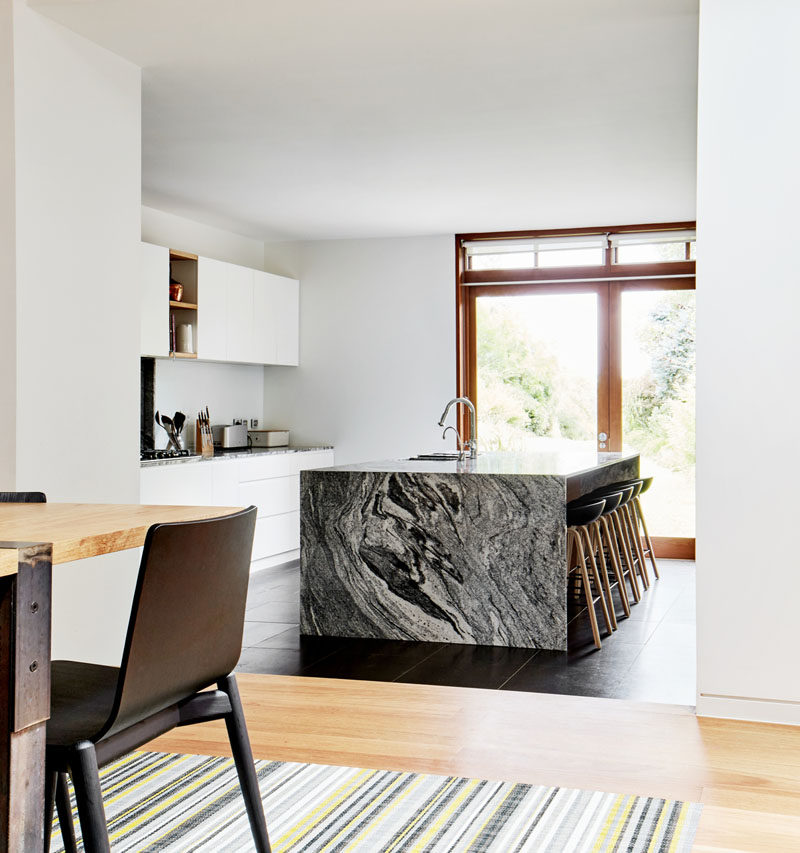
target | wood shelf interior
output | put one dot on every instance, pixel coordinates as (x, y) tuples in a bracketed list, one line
[(178, 255), (183, 268)]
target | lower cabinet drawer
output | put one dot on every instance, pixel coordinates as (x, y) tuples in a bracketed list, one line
[(272, 497), (276, 534)]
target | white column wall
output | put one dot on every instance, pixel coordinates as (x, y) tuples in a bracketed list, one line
[(377, 346), (748, 351), (8, 288), (78, 196)]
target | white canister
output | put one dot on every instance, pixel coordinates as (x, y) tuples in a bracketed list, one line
[(183, 338)]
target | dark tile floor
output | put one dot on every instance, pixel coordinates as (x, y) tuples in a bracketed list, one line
[(650, 658)]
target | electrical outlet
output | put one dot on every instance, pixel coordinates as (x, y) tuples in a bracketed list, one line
[(238, 421), (253, 423)]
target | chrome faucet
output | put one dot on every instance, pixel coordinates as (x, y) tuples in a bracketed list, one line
[(472, 444), (459, 442)]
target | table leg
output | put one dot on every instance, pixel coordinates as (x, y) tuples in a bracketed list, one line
[(24, 696)]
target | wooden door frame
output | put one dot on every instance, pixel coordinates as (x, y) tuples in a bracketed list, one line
[(617, 280)]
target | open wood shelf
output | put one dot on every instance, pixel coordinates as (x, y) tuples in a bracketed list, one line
[(177, 254), (189, 306)]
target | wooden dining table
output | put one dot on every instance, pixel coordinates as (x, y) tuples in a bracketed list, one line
[(34, 537)]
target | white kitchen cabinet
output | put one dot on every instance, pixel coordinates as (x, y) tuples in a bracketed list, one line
[(276, 534), (182, 484), (265, 317), (272, 497), (212, 285), (288, 310), (225, 482), (153, 290), (279, 312), (239, 315), (269, 481)]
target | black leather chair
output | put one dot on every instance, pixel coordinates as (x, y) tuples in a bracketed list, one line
[(184, 635), (22, 498)]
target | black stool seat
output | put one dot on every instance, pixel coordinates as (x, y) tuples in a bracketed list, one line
[(645, 481), (626, 491), (584, 514), (613, 500)]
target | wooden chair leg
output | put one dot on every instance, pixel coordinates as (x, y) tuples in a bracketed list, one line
[(599, 565), (65, 815), (613, 552), (89, 798), (245, 767), (637, 504), (587, 591)]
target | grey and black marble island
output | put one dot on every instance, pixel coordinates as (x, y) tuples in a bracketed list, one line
[(470, 551)]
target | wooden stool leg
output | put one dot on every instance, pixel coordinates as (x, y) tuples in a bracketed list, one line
[(599, 563), (587, 591), (636, 545), (624, 552), (637, 504), (603, 566), (613, 552)]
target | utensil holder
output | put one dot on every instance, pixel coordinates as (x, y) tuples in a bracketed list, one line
[(203, 441)]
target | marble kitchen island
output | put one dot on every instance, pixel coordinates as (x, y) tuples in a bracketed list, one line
[(470, 551)]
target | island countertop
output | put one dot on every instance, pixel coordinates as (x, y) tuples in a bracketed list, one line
[(574, 466)]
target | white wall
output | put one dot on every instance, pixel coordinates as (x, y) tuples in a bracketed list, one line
[(229, 390), (78, 184), (748, 349), (177, 232), (377, 347), (78, 174), (8, 289)]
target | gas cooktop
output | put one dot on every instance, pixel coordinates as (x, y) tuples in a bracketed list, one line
[(150, 455)]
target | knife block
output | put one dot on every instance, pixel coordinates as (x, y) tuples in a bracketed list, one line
[(203, 442)]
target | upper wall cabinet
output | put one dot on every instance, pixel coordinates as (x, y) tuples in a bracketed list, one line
[(242, 315), (212, 288), (168, 290), (153, 283)]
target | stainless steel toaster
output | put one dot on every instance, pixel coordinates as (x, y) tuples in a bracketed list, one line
[(229, 435)]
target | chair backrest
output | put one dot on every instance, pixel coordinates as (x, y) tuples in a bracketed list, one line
[(187, 619), (22, 498)]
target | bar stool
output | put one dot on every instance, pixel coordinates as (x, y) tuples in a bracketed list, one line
[(597, 542), (648, 551), (633, 514), (605, 542), (617, 542), (578, 518)]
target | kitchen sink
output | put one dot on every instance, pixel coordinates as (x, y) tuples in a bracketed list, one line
[(436, 457)]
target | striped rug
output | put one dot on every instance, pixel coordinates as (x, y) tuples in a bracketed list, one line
[(168, 802)]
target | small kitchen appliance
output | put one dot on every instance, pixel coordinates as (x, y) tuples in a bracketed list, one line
[(230, 436), (269, 437)]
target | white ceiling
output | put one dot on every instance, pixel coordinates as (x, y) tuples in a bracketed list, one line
[(312, 119)]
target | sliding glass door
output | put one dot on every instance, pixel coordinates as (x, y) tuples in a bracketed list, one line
[(537, 371), (605, 364)]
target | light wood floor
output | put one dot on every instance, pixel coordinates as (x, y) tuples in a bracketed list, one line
[(747, 774)]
